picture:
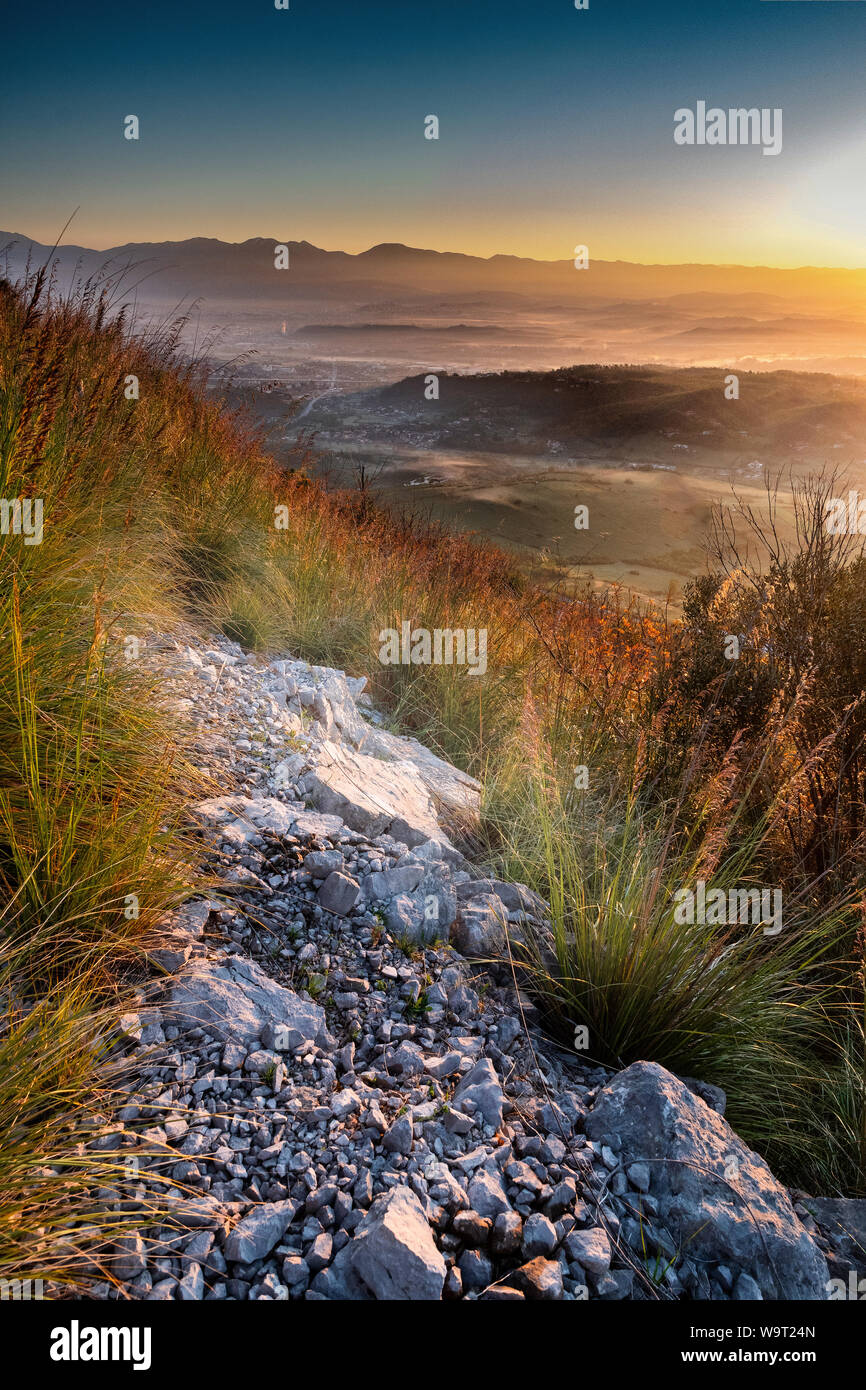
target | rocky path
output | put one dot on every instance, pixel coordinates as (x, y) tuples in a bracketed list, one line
[(352, 1105)]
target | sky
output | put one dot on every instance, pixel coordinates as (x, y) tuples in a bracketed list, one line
[(556, 126)]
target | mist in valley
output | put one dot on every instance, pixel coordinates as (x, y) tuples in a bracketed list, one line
[(500, 395)]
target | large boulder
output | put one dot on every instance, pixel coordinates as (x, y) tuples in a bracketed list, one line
[(392, 1257), (421, 898), (235, 1000), (372, 796), (454, 792), (719, 1200)]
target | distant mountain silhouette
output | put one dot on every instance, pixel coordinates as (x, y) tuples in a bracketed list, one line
[(205, 266)]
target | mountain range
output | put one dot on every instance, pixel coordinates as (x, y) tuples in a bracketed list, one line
[(206, 266)]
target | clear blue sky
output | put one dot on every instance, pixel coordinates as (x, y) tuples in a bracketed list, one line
[(556, 125)]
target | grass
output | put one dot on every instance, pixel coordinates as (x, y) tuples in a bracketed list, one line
[(168, 509), (724, 1003)]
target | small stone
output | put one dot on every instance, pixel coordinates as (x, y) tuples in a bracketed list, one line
[(480, 1088), (746, 1289), (338, 894), (399, 1137), (161, 1291), (131, 1259), (456, 1122), (561, 1199), (319, 1253), (615, 1285), (258, 1232), (191, 1286), (345, 1103), (441, 1067), (487, 1195), (539, 1279), (321, 863), (639, 1176), (507, 1233), (296, 1271), (590, 1249), (476, 1270), (552, 1150), (539, 1236), (471, 1228)]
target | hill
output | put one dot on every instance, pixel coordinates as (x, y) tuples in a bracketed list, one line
[(584, 409), (650, 451), (220, 863)]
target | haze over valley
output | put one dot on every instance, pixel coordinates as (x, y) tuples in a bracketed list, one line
[(603, 386)]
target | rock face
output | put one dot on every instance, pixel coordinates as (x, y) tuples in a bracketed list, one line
[(237, 1000), (718, 1199), (371, 796), (453, 791)]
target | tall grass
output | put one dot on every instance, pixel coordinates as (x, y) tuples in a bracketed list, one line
[(725, 1003), (90, 774)]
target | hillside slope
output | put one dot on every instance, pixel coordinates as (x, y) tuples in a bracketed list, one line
[(161, 515)]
